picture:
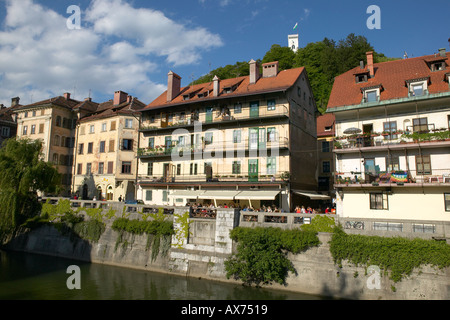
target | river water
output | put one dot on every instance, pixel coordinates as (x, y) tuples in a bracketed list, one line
[(37, 277)]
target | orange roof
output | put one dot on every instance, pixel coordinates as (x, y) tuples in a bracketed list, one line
[(283, 81), (392, 76), (324, 121)]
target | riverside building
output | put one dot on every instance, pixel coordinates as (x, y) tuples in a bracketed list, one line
[(392, 144), (247, 141)]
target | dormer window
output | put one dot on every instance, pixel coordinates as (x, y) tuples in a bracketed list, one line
[(417, 87), (361, 78), (371, 94), (438, 66), (417, 90)]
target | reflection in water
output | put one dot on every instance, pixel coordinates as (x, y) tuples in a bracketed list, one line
[(29, 276)]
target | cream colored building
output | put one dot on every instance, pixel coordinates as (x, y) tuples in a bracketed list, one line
[(247, 141), (105, 163), (393, 139)]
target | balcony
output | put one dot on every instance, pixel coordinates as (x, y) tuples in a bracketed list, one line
[(221, 117), (434, 177), (392, 140), (247, 145)]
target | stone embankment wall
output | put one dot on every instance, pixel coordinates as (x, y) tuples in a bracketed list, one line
[(203, 252)]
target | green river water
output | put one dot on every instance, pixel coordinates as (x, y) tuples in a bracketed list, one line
[(25, 276)]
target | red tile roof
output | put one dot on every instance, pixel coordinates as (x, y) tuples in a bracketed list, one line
[(392, 76), (108, 109), (283, 81), (324, 121)]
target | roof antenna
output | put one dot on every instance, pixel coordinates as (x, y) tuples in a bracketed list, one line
[(405, 55)]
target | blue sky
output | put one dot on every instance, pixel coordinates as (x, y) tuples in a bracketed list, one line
[(131, 45)]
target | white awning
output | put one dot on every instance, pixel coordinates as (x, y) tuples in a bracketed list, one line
[(218, 194), (257, 195), (312, 195), (189, 194)]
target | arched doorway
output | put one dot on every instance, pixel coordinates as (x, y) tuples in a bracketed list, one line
[(110, 193), (99, 193), (85, 192)]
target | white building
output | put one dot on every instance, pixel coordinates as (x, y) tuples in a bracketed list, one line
[(392, 145)]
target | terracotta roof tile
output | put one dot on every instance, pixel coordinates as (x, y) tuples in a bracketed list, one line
[(392, 75), (324, 121)]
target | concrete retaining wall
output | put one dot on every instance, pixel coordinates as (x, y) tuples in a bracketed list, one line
[(203, 253)]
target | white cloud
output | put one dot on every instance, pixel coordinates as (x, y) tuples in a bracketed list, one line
[(116, 49)]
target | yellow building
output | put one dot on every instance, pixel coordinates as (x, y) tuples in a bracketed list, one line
[(247, 141), (106, 144)]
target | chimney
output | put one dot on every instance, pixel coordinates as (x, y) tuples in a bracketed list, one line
[(270, 69), (370, 63), (129, 99), (254, 71), (120, 97), (2, 106), (173, 85), (67, 95), (442, 52), (88, 99), (15, 101), (361, 64), (216, 86)]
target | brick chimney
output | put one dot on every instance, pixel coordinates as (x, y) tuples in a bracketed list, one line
[(216, 86), (370, 63), (173, 85), (15, 101), (442, 52), (254, 71), (67, 96), (120, 97), (270, 69)]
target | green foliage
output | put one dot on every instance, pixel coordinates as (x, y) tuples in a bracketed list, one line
[(320, 223), (23, 174), (284, 55), (397, 256), (89, 230), (261, 256), (183, 230), (230, 71)]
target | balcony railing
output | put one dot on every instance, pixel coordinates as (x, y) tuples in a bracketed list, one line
[(391, 138), (430, 176), (216, 146), (218, 117)]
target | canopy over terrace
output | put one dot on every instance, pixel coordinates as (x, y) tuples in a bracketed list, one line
[(312, 195), (226, 195)]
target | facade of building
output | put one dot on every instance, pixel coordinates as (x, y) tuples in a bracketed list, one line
[(106, 140), (325, 143), (392, 139), (8, 125), (53, 121), (246, 141)]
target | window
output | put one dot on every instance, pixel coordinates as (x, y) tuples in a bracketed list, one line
[(101, 167), (238, 108), (371, 96), (420, 125), (111, 145), (271, 135), (25, 130), (102, 146), (91, 128), (113, 125), (58, 121), (80, 169), (33, 129), (128, 123), (447, 201), (417, 90), (41, 128), (393, 163), (181, 141), (6, 131), (110, 167), (165, 197), (126, 167), (209, 138), (55, 158), (150, 168), (390, 127), (325, 146), (361, 78), (423, 164), (80, 148), (438, 66), (193, 169), (178, 169), (378, 201), (271, 105), (148, 195), (89, 168), (271, 165), (326, 167), (127, 144), (57, 141), (299, 91), (90, 147), (236, 136), (103, 127), (151, 143), (236, 167)]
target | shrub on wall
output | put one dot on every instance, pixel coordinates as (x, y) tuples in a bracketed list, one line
[(261, 256)]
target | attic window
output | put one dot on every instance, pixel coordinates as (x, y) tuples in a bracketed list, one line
[(361, 78), (438, 66), (328, 128), (186, 97), (228, 90)]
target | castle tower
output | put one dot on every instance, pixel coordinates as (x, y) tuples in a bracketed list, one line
[(293, 42)]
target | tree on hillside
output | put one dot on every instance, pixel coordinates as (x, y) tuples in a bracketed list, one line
[(23, 174), (284, 55), (238, 69)]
